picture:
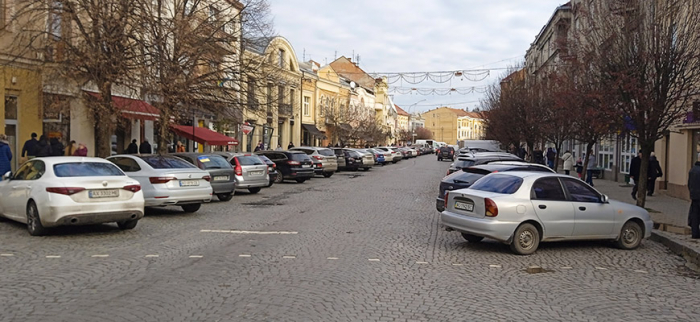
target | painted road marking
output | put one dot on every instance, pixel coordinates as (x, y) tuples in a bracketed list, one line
[(53, 256), (495, 266), (244, 255), (332, 258), (422, 263), (196, 256), (99, 256), (566, 267), (641, 271), (289, 256), (601, 268), (373, 259), (7, 255), (151, 256), (250, 232), (457, 264)]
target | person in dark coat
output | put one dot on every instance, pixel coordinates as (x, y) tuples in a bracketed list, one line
[(30, 146), (57, 148), (291, 145), (258, 147), (133, 148), (551, 156), (145, 147), (538, 156), (653, 173), (5, 156), (694, 189), (635, 165), (43, 147)]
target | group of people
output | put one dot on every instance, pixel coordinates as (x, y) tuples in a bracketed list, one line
[(144, 148), (261, 146), (33, 148), (653, 172)]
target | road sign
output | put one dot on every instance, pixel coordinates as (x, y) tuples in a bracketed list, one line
[(246, 129)]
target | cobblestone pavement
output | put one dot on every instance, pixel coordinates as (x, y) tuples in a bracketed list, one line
[(359, 246)]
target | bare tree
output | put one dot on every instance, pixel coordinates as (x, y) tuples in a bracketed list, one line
[(423, 134)]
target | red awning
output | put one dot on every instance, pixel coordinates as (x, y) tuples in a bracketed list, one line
[(131, 108), (203, 135)]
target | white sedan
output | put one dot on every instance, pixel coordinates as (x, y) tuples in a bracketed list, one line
[(56, 191), (525, 208)]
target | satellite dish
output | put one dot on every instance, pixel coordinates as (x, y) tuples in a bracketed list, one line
[(352, 85)]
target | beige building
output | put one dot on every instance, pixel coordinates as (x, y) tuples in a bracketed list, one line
[(470, 127), (444, 123)]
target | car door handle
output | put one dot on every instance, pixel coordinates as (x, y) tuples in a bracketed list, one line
[(542, 206), (582, 208)]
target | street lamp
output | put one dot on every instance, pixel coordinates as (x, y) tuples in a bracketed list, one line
[(414, 104)]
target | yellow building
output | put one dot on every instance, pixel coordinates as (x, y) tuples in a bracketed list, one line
[(470, 127), (444, 123)]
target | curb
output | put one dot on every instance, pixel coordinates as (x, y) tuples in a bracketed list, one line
[(692, 255)]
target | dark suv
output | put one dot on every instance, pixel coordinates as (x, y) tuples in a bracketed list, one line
[(480, 158), (446, 152), (223, 182), (291, 165)]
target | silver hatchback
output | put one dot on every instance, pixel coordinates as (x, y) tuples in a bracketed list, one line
[(250, 171), (329, 162)]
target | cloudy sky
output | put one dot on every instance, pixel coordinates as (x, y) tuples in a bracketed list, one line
[(416, 36)]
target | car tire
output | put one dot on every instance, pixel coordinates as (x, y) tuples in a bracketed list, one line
[(126, 225), (34, 225), (327, 174), (191, 207), (526, 239), (271, 183), (394, 162), (254, 190), (301, 180), (366, 169), (279, 178), (472, 238), (631, 235), (225, 196)]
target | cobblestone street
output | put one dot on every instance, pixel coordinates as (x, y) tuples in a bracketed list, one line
[(359, 246)]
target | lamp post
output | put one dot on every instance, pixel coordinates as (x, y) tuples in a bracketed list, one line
[(414, 104)]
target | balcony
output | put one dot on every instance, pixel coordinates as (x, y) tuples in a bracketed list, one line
[(285, 110)]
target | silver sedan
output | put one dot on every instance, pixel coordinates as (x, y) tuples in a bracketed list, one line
[(525, 208)]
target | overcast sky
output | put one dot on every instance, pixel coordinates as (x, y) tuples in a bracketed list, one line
[(416, 36)]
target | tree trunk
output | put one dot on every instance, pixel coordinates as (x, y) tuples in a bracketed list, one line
[(557, 145), (163, 129), (105, 122), (589, 150)]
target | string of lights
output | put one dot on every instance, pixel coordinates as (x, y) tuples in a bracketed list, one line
[(439, 91), (439, 77)]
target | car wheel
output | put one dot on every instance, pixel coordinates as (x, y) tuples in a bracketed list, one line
[(301, 180), (631, 235), (191, 207), (525, 240), (394, 162), (472, 238), (254, 190), (279, 178), (34, 225), (271, 182), (126, 225), (327, 174), (224, 196), (366, 169)]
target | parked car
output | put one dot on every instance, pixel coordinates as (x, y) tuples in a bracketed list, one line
[(326, 156), (271, 169), (525, 208), (291, 165), (480, 158), (223, 179), (57, 191), (167, 180), (379, 156), (250, 171), (446, 152), (396, 155), (368, 158), (465, 178), (410, 152), (340, 157)]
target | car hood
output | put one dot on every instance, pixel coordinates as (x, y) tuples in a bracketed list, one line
[(623, 207)]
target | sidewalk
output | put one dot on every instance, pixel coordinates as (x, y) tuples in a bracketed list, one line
[(668, 213)]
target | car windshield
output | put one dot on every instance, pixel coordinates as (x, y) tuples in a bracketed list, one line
[(213, 162), (86, 169), (164, 162), (249, 160), (326, 152), (298, 157), (498, 183)]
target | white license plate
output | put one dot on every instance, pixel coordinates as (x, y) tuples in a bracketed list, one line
[(111, 193), (256, 173), (464, 206), (189, 183), (221, 178), (306, 166)]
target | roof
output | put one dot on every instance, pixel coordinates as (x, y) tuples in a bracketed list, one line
[(345, 67), (401, 111)]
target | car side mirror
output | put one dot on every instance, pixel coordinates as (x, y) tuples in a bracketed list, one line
[(7, 175), (604, 199)]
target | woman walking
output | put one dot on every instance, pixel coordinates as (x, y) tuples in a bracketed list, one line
[(568, 162)]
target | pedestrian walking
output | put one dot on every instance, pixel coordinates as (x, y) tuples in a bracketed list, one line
[(180, 147), (279, 147), (43, 147), (259, 146), (30, 148), (71, 148), (551, 156), (653, 172), (81, 151), (56, 147), (579, 168), (5, 156), (291, 145), (145, 147), (133, 148), (592, 163), (635, 165), (694, 189), (568, 159), (538, 156)]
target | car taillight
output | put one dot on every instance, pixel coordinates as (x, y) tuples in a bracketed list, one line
[(320, 165), (491, 208), (161, 179), (237, 169), (133, 188), (448, 172), (65, 190), (208, 178), (317, 157), (293, 162), (392, 152), (447, 195)]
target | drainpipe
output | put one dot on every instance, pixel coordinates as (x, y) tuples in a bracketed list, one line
[(668, 141)]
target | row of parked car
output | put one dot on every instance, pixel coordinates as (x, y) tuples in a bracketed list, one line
[(55, 191), (498, 196)]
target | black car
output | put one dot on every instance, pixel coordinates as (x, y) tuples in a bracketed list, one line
[(480, 158), (223, 181), (271, 168), (465, 178), (353, 160), (291, 165), (446, 152)]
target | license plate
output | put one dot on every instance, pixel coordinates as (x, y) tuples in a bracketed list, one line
[(221, 178), (464, 206), (111, 193), (256, 173), (189, 183), (306, 166)]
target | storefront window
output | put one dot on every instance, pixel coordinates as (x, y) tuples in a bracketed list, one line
[(629, 150), (606, 154)]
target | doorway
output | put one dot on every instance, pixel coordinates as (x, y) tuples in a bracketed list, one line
[(11, 128)]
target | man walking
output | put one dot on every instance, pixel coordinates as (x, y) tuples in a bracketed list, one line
[(551, 155), (30, 147), (694, 189), (635, 165), (592, 163), (5, 156), (653, 173), (145, 147), (133, 148)]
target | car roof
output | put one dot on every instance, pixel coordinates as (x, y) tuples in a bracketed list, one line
[(501, 166), (67, 159), (534, 174)]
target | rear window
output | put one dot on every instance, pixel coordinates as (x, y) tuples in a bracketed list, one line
[(498, 183), (326, 152), (354, 154), (213, 162), (464, 163), (249, 160), (163, 162), (86, 169), (298, 157)]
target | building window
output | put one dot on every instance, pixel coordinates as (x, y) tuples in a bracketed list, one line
[(251, 93), (281, 58), (307, 102), (606, 154), (628, 151), (291, 98)]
